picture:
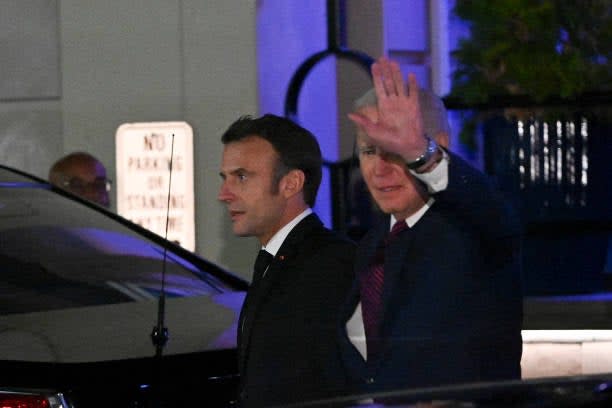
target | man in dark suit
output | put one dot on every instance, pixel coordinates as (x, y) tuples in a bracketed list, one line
[(271, 171), (450, 304)]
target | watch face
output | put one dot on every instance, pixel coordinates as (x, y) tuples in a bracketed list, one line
[(432, 146)]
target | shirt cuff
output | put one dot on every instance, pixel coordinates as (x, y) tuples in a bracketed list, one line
[(437, 179)]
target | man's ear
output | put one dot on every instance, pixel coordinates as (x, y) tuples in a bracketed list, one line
[(442, 139), (292, 183)]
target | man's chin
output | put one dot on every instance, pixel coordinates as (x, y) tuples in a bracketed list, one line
[(241, 233), (387, 209)]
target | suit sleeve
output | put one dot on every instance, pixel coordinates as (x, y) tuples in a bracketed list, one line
[(480, 206)]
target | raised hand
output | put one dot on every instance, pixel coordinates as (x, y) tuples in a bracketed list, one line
[(399, 128)]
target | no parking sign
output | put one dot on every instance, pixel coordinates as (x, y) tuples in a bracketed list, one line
[(154, 173)]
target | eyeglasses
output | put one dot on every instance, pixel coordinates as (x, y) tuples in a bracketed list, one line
[(98, 185)]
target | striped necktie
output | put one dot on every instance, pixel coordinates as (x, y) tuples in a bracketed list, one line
[(371, 288)]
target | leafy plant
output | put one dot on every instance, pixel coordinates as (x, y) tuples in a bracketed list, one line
[(534, 48)]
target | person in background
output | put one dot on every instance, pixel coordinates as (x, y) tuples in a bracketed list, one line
[(287, 349), (449, 305), (82, 174)]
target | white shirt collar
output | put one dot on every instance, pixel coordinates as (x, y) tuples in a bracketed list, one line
[(410, 221), (277, 239)]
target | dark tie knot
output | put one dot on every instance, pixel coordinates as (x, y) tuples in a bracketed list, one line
[(264, 258), (398, 227)]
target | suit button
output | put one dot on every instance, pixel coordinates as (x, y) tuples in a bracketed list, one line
[(369, 380)]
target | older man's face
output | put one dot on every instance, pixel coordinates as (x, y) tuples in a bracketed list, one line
[(393, 188), (88, 180)]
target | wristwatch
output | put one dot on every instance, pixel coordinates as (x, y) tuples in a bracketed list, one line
[(432, 147)]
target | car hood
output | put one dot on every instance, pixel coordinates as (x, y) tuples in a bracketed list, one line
[(121, 331)]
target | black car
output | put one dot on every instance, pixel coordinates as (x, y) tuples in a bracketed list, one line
[(98, 311), (591, 391)]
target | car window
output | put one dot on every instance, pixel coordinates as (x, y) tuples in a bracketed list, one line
[(81, 284), (58, 253)]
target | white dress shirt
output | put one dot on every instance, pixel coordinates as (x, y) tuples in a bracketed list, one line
[(277, 239), (436, 180)]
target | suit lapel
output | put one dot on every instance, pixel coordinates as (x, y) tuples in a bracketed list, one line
[(350, 355), (247, 315), (395, 256), (396, 269), (259, 290), (367, 246)]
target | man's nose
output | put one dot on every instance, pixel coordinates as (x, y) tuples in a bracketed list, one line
[(382, 163), (225, 194)]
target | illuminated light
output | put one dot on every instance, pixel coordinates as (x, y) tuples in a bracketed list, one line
[(521, 153), (23, 401), (143, 177), (556, 353), (584, 132), (545, 152), (10, 399), (559, 152), (571, 152), (521, 129), (566, 336), (533, 147)]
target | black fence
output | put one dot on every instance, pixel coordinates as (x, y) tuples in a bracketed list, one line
[(553, 160)]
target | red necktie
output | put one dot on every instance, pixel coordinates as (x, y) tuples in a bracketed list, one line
[(372, 280)]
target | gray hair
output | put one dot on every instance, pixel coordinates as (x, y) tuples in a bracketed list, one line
[(435, 117)]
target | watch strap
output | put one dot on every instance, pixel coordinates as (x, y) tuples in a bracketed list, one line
[(431, 148)]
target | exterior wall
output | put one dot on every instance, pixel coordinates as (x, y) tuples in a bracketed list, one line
[(132, 61), (205, 62), (288, 33), (30, 85), (293, 31)]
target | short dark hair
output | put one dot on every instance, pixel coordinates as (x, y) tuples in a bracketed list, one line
[(297, 147)]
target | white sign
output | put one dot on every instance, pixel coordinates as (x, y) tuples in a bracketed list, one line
[(143, 178)]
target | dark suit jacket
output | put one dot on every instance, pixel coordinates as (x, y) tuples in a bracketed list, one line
[(452, 293), (288, 350)]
